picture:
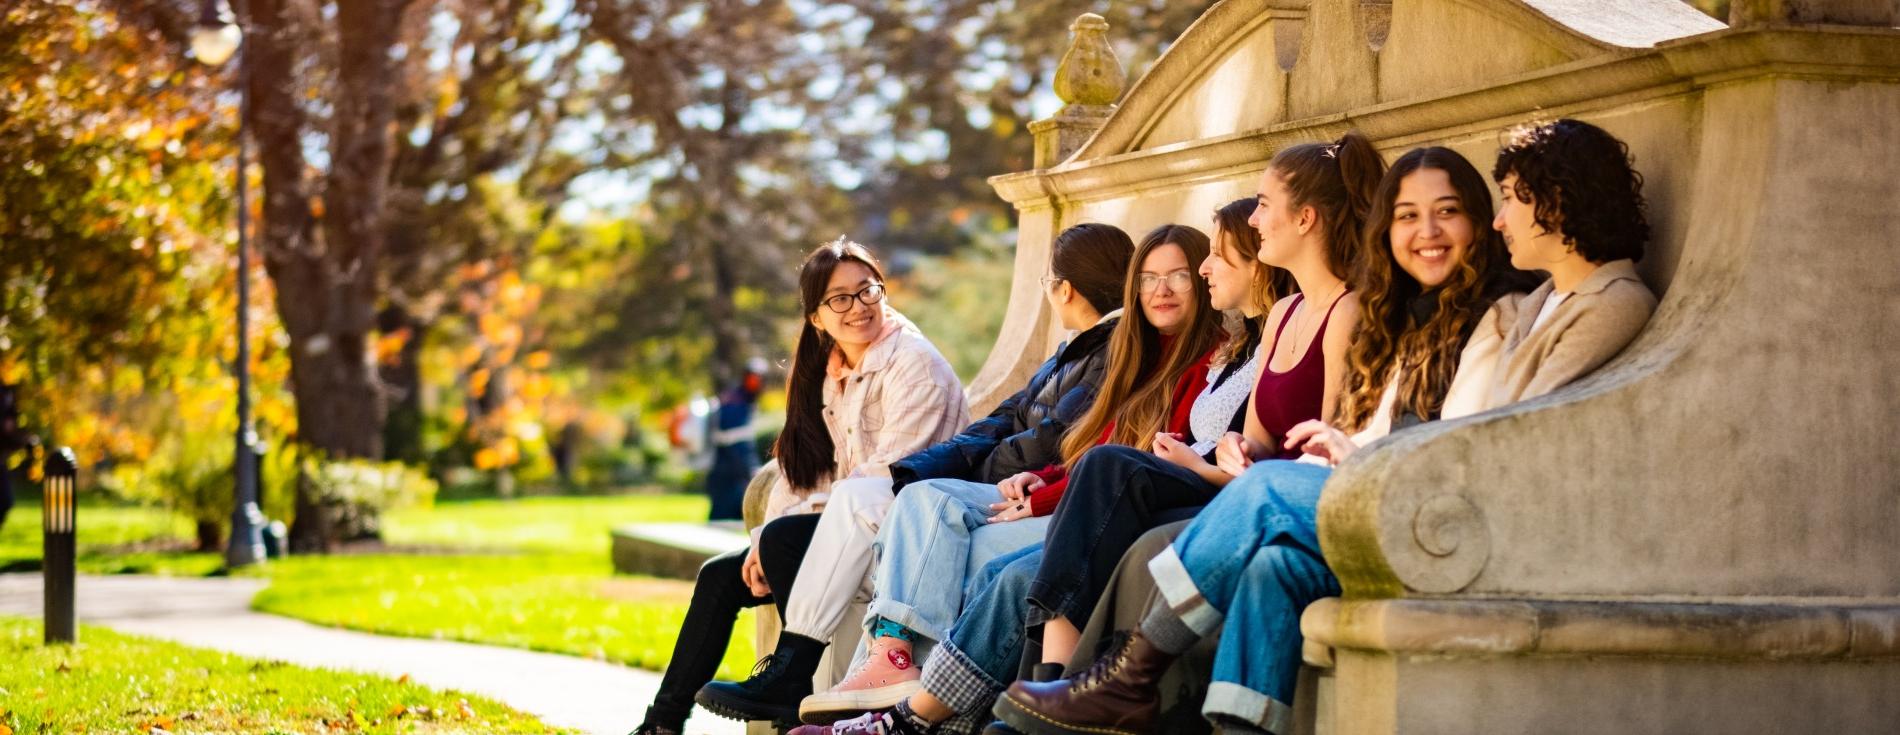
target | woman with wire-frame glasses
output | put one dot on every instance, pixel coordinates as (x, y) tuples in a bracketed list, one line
[(865, 389)]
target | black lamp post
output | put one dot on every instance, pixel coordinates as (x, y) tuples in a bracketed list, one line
[(214, 40)]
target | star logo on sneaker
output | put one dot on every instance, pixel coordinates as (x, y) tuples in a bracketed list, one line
[(900, 659)]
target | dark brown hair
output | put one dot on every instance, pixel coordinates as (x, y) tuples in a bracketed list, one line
[(1270, 283), (805, 450), (1137, 390), (1093, 258), (1425, 355), (1337, 180), (1579, 180)]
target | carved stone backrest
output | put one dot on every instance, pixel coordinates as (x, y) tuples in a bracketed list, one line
[(1740, 447)]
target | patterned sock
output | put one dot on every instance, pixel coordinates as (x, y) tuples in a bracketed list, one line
[(907, 720), (888, 628), (1166, 631)]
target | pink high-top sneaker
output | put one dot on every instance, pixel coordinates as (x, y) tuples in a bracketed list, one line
[(887, 676)]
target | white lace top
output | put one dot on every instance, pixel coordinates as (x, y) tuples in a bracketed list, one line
[(1214, 410)]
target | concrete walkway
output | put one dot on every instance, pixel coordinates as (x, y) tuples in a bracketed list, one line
[(591, 696)]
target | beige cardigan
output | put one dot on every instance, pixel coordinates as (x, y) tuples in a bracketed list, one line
[(1586, 330), (902, 397)]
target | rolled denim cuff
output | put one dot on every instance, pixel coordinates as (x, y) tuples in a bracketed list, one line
[(1184, 598), (958, 682), (901, 614), (1227, 700)]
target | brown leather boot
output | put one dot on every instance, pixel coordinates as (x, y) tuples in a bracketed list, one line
[(1118, 695)]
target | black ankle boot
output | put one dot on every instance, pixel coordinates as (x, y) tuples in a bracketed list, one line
[(779, 682)]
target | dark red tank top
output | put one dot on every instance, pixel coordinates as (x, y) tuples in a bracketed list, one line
[(1283, 400)]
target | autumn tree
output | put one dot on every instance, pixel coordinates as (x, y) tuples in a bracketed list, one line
[(322, 77)]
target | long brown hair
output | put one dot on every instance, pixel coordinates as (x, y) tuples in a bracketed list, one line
[(1390, 335), (1337, 180), (804, 449), (1137, 391)]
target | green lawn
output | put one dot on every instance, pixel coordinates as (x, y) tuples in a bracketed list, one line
[(528, 573), (118, 683), (112, 540), (549, 524), (544, 582)]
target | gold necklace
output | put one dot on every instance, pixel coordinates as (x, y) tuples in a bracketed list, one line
[(1297, 329)]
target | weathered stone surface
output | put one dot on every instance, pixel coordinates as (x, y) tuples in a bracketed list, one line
[(1701, 534), (673, 550)]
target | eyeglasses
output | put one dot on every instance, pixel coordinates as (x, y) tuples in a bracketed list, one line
[(1179, 281), (869, 296), (1049, 282)]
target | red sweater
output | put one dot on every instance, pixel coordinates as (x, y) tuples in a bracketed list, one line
[(1187, 388)]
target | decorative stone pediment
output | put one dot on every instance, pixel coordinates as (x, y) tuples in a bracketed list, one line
[(1249, 64)]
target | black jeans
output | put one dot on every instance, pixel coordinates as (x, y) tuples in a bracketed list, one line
[(1116, 493), (718, 596)]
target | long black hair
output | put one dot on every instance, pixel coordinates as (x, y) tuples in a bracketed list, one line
[(804, 449)]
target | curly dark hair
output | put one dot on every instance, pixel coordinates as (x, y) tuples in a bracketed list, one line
[(1581, 183)]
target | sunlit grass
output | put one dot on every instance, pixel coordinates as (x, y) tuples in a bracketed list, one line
[(110, 682)]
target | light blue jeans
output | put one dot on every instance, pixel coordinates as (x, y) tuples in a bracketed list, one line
[(1251, 558), (935, 540), (985, 646)]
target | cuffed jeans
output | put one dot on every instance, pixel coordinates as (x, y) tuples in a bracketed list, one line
[(1116, 493), (718, 596), (985, 646), (935, 541), (1252, 557)]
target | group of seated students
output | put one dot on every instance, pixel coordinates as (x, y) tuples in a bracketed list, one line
[(1217, 380)]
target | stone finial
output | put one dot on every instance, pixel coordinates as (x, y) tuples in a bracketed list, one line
[(1089, 73), (1088, 81)]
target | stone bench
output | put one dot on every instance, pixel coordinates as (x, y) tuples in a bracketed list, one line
[(672, 550), (1699, 537)]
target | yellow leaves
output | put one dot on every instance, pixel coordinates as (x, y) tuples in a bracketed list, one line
[(388, 347), (536, 387), (478, 383), (505, 453), (316, 207), (538, 360), (4, 730)]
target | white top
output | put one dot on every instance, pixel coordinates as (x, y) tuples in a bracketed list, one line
[(1213, 411), (1550, 307)]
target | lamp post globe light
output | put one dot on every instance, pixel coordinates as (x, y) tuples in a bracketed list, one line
[(214, 40)]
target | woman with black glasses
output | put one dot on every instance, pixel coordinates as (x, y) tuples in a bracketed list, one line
[(865, 390)]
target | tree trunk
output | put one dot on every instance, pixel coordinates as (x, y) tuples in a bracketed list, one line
[(210, 533), (402, 384), (320, 249)]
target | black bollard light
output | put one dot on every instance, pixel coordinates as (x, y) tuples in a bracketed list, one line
[(59, 521)]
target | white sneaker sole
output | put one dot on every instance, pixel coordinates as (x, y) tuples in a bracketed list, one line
[(825, 708)]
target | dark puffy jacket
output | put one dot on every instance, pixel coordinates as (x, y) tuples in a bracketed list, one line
[(1025, 431)]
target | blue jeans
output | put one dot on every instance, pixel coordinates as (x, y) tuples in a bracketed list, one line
[(1252, 559), (985, 646), (935, 540)]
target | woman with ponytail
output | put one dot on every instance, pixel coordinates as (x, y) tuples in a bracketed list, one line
[(865, 389), (1311, 206), (1430, 268)]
